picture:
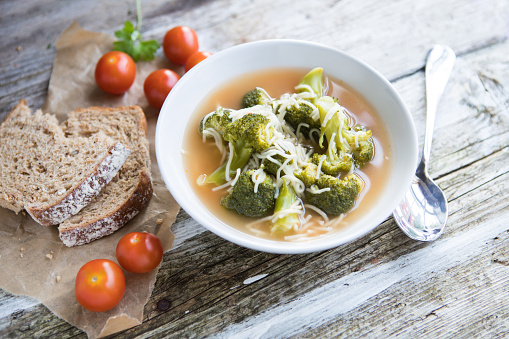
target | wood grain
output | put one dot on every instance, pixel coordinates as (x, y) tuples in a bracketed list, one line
[(381, 285)]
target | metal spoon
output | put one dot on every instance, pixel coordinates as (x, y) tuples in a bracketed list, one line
[(422, 214)]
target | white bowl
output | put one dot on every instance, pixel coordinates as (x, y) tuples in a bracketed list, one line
[(231, 63)]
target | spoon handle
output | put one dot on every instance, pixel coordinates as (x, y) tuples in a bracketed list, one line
[(439, 64)]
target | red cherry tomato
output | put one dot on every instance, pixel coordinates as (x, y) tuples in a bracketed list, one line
[(100, 285), (158, 84), (179, 43), (195, 58), (115, 72), (139, 252)]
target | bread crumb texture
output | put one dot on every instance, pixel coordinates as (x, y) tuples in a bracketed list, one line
[(131, 188), (51, 175)]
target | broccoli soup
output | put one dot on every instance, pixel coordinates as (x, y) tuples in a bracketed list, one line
[(287, 154)]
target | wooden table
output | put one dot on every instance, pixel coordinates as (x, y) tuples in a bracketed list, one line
[(381, 285)]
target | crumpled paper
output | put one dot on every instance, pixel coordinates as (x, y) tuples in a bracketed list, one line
[(33, 260)]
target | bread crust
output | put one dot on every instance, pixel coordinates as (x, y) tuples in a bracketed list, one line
[(20, 103), (80, 235), (7, 200), (84, 227), (85, 192)]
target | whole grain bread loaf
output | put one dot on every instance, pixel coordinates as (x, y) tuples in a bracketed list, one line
[(50, 175), (129, 191)]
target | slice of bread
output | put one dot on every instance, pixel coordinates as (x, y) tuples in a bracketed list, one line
[(49, 175), (129, 191)]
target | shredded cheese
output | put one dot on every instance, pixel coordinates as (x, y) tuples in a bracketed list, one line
[(201, 179), (229, 183), (297, 132), (314, 190), (307, 89), (332, 146), (330, 113), (229, 162), (218, 140), (265, 92), (319, 168), (315, 115), (257, 178), (319, 211)]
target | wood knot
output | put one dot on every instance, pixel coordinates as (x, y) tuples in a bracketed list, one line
[(163, 305)]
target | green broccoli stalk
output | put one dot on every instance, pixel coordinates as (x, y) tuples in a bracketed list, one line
[(314, 80), (336, 158), (257, 96), (301, 112), (285, 200), (247, 135), (344, 143), (246, 201), (240, 157), (339, 196)]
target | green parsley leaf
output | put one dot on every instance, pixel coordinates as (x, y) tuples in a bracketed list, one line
[(130, 41), (148, 49), (124, 46), (126, 32)]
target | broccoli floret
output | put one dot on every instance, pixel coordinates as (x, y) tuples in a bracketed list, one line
[(257, 96), (252, 130), (272, 167), (312, 80), (341, 196), (217, 120), (285, 200), (333, 166), (344, 143), (245, 201), (309, 175), (301, 113), (364, 153), (247, 135)]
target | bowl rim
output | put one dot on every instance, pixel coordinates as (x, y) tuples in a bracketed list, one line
[(242, 238)]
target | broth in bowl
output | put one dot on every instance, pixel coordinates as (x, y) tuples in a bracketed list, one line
[(202, 156)]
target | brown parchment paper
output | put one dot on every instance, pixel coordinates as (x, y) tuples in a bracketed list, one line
[(33, 260)]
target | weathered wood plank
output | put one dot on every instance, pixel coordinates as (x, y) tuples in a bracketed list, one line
[(458, 213), (473, 116), (228, 295), (369, 30), (421, 278)]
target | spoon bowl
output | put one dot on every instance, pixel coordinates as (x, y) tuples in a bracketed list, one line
[(422, 214)]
